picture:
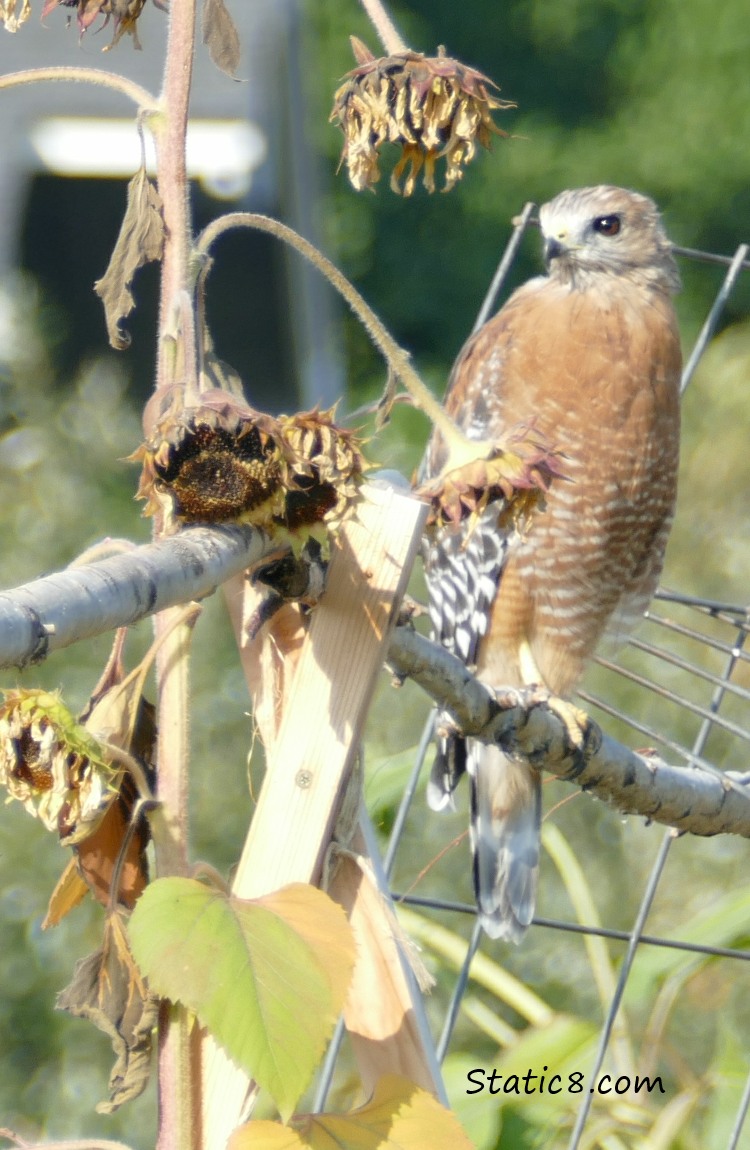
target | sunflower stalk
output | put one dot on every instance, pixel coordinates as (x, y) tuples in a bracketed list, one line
[(384, 26), (461, 449)]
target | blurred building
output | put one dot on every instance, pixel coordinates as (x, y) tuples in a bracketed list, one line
[(68, 149)]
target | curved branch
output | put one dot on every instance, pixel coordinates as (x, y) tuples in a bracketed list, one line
[(140, 96), (691, 799), (79, 603)]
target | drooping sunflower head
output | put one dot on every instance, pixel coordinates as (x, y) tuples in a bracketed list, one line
[(214, 462), (432, 107), (221, 461), (52, 765), (123, 13), (323, 466), (515, 476)]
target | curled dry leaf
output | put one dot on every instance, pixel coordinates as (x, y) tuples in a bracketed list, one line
[(516, 474), (141, 240), (431, 107), (220, 36), (107, 989), (221, 461), (399, 1116), (115, 848)]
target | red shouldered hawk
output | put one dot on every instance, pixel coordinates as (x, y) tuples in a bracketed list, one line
[(589, 356)]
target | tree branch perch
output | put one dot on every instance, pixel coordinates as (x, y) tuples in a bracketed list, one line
[(76, 604), (80, 602), (691, 799)]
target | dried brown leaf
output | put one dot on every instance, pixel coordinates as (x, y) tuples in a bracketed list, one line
[(108, 990), (70, 890), (141, 240), (220, 36), (386, 402)]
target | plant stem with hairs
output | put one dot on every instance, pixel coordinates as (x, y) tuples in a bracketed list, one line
[(385, 28), (460, 448), (179, 1109)]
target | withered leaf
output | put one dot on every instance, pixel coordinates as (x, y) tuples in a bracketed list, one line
[(70, 890), (108, 990), (220, 36), (97, 859), (216, 375), (386, 402), (141, 240)]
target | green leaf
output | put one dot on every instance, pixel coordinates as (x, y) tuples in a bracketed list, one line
[(723, 923), (399, 1116), (267, 977)]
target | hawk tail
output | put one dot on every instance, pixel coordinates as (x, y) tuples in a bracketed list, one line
[(447, 769), (506, 805)]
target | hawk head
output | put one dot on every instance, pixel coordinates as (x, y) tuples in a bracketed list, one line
[(607, 231)]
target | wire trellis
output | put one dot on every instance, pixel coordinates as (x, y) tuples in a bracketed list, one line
[(692, 657)]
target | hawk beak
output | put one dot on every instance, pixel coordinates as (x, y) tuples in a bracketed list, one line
[(553, 249)]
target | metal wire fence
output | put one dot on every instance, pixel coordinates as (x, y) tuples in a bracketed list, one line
[(691, 662)]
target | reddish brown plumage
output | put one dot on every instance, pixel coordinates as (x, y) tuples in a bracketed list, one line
[(589, 355)]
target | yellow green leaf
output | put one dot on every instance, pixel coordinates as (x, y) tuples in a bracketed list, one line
[(399, 1116), (267, 977)]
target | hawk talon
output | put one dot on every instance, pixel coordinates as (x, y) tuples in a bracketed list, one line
[(575, 721)]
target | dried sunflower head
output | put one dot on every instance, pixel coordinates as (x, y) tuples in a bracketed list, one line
[(51, 764), (215, 462), (432, 107), (323, 467), (222, 461), (123, 13), (517, 473)]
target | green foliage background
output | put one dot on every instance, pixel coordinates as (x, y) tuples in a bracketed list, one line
[(653, 94)]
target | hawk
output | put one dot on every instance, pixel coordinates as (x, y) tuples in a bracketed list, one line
[(589, 356)]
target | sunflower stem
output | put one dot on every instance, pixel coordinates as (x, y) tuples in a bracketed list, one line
[(385, 28), (179, 1090), (140, 96), (460, 448), (170, 133)]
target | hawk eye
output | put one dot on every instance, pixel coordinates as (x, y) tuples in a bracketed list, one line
[(607, 225)]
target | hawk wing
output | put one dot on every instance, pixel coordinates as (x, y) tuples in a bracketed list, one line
[(463, 566), (463, 570)]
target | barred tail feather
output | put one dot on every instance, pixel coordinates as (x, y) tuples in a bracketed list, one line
[(506, 807), (447, 769)]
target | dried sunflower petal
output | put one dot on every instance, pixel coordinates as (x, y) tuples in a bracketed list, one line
[(13, 17)]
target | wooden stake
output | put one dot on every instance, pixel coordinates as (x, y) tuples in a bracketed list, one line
[(310, 761)]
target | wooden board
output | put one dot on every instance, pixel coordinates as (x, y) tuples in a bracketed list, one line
[(311, 760)]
